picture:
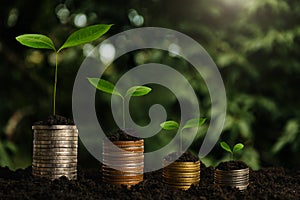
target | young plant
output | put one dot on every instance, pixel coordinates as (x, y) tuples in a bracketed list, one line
[(108, 87), (236, 147), (79, 37), (173, 125)]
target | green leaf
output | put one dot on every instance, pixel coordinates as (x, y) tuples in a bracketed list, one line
[(225, 146), (192, 123), (169, 125), (85, 35), (37, 41), (104, 86), (137, 91), (238, 147)]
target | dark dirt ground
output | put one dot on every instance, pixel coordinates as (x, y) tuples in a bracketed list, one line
[(267, 183)]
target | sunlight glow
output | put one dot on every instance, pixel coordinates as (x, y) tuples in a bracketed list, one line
[(107, 53), (80, 20)]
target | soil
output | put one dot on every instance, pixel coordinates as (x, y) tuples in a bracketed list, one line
[(267, 183), (121, 135), (232, 165), (55, 120), (186, 157)]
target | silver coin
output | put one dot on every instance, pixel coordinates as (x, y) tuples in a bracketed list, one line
[(39, 146), (59, 138), (67, 133), (54, 169), (60, 161), (54, 157), (55, 142), (35, 172), (74, 150), (55, 134), (49, 153), (52, 177), (54, 165), (55, 127)]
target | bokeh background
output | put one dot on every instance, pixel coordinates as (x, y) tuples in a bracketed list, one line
[(255, 44)]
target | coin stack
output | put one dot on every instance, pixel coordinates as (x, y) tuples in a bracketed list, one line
[(55, 151), (181, 175), (123, 162), (234, 178)]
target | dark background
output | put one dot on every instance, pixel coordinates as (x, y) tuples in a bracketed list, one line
[(255, 44)]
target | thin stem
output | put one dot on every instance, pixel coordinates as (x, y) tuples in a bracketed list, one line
[(123, 112), (55, 84), (180, 141)]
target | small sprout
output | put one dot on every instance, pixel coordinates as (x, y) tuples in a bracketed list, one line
[(236, 147), (108, 87), (173, 125), (81, 36)]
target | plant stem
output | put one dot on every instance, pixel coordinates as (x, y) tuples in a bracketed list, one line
[(123, 112), (180, 141), (55, 84)]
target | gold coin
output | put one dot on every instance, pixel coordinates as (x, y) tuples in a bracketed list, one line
[(136, 170), (182, 183), (182, 164), (126, 177), (124, 150), (133, 143), (124, 164), (185, 175)]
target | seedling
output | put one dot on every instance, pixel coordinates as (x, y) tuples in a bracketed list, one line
[(236, 147), (108, 87), (173, 125), (81, 36)]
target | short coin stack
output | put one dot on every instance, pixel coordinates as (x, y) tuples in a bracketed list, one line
[(181, 175), (55, 151), (123, 162), (234, 178)]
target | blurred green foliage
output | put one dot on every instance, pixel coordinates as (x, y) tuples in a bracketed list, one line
[(255, 44)]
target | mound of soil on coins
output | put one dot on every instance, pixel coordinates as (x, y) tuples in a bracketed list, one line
[(185, 157), (232, 165), (55, 120), (267, 183), (121, 135)]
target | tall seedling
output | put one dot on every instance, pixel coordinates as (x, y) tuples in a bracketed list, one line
[(79, 37)]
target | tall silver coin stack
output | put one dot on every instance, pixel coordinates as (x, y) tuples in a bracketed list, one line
[(55, 151)]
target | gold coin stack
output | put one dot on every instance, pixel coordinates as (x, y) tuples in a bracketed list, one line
[(123, 165), (181, 175), (234, 178), (55, 151)]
